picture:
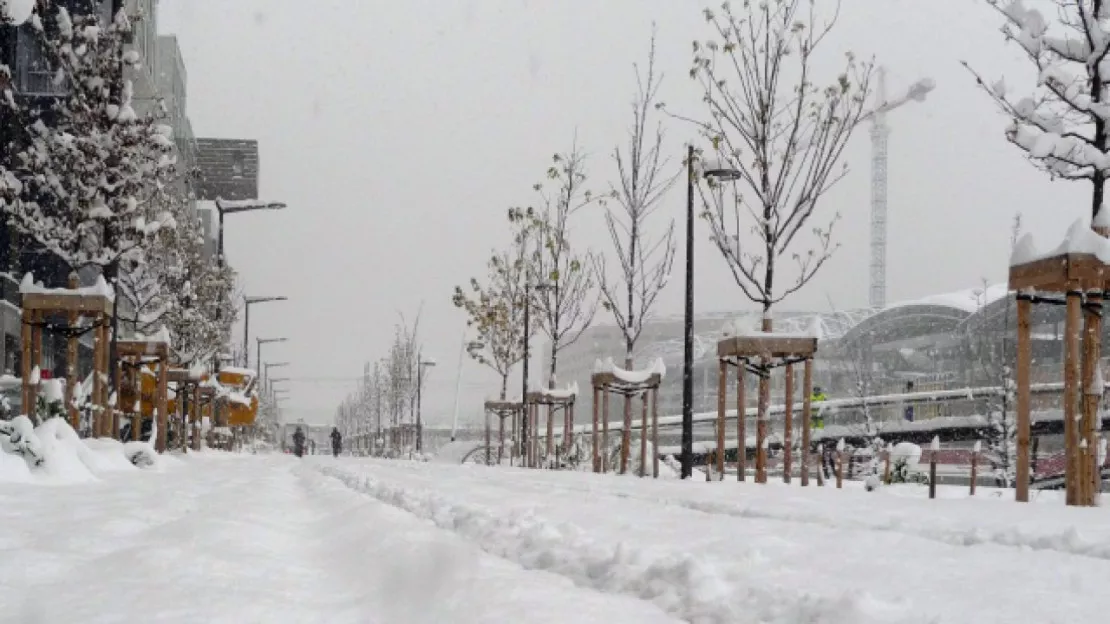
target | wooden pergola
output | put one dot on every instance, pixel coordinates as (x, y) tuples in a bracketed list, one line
[(137, 354), (187, 402), (76, 305), (768, 351), (555, 400), (1079, 282), (606, 383), (502, 410)]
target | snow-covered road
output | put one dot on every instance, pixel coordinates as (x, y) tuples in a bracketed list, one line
[(259, 539), (728, 552), (220, 538)]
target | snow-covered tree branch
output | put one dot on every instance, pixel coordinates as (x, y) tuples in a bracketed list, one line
[(1061, 125)]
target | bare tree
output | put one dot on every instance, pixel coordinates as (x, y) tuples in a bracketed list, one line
[(566, 300), (1062, 126), (782, 133), (496, 308), (644, 263)]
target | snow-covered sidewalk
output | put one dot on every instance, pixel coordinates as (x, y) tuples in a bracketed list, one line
[(728, 552), (239, 539)]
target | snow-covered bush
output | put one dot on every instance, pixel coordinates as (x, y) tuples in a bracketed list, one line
[(17, 437)]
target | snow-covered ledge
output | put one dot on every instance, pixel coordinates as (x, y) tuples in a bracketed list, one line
[(631, 377)]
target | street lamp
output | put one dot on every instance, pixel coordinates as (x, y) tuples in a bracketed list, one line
[(262, 341), (720, 172), (419, 389), (226, 207), (247, 303)]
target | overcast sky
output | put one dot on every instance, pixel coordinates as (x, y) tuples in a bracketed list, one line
[(399, 132)]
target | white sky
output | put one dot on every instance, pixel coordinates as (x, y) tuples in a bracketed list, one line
[(399, 132)]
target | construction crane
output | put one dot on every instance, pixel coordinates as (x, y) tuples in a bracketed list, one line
[(880, 135)]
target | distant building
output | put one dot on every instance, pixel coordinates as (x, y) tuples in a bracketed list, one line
[(228, 169)]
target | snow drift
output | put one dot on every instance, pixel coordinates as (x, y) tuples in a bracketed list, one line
[(52, 453)]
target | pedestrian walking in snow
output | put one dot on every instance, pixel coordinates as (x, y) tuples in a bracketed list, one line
[(336, 441), (298, 442)]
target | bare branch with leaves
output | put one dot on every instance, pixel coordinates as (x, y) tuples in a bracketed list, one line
[(644, 263)]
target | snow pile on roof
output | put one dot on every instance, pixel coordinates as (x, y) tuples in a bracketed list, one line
[(16, 11), (970, 300), (53, 454), (100, 288), (631, 376), (1080, 239)]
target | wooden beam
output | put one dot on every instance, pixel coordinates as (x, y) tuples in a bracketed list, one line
[(654, 432), (594, 433), (1023, 371), (767, 346), (1092, 396), (68, 302), (163, 404), (28, 399)]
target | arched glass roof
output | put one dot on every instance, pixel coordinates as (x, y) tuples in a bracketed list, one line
[(936, 314)]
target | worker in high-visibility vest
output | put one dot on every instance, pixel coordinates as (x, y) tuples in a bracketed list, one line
[(818, 414)]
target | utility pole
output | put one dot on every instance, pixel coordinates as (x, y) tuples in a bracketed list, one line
[(688, 328)]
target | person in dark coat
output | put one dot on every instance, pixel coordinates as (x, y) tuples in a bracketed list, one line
[(298, 442), (336, 441)]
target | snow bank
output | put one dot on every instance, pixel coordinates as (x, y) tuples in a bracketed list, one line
[(52, 453), (454, 452), (686, 586)]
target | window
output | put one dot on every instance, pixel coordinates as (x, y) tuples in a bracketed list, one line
[(238, 164), (33, 76)]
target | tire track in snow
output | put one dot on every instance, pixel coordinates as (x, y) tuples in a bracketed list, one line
[(1067, 541), (695, 589)]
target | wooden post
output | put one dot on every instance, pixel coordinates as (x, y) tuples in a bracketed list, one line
[(594, 433), (643, 435), (722, 397), (788, 426), (136, 380), (501, 438), (932, 474), (106, 353), (1023, 379), (761, 423), (30, 404), (570, 426), (821, 465), (196, 417), (839, 469), (741, 416), (71, 363), (550, 433), (807, 417), (655, 432), (1072, 332), (28, 398), (605, 429), (97, 403), (1092, 396), (626, 435), (489, 436), (974, 468), (514, 436)]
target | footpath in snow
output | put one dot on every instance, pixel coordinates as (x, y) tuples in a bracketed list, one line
[(267, 539), (738, 553)]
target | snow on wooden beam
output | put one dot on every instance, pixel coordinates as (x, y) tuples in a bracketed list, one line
[(767, 345)]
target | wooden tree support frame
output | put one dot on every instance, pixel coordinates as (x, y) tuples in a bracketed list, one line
[(607, 383), (76, 306), (1079, 282), (139, 353), (186, 392), (769, 351), (555, 401), (502, 410)]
